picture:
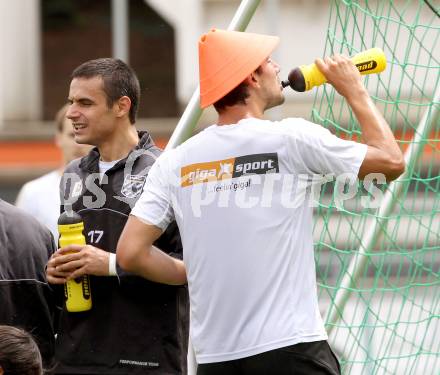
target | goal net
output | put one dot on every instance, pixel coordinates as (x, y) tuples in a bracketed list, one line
[(378, 245)]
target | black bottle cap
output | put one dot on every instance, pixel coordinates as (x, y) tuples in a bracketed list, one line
[(296, 80), (69, 217), (285, 83)]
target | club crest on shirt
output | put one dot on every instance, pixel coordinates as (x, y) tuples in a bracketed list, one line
[(133, 185)]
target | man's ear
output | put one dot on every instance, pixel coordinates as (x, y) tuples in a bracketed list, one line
[(122, 106), (252, 79)]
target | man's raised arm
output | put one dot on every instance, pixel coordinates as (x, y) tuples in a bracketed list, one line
[(383, 154)]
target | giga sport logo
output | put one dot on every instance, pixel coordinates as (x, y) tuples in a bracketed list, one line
[(229, 168)]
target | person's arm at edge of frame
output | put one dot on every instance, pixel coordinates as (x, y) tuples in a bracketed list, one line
[(383, 154), (136, 254)]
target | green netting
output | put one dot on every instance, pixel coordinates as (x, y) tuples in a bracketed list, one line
[(390, 323)]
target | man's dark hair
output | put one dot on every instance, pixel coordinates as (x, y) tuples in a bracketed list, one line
[(237, 96), (119, 80), (19, 354)]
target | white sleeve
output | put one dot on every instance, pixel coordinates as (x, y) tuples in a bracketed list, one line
[(314, 150), (154, 204)]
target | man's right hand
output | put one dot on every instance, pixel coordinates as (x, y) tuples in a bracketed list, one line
[(75, 261), (342, 74)]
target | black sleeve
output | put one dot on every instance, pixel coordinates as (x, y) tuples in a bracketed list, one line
[(170, 241)]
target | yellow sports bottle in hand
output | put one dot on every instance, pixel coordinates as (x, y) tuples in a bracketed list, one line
[(77, 291), (306, 77)]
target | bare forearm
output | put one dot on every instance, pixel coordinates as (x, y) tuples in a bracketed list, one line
[(136, 254), (375, 130), (383, 154), (155, 265)]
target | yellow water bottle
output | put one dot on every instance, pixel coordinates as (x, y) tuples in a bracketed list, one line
[(306, 77), (77, 292)]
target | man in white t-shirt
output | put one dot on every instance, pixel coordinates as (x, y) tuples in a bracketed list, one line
[(238, 191), (40, 197)]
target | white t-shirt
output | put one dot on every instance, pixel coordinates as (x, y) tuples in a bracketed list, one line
[(238, 194), (104, 166), (41, 199)]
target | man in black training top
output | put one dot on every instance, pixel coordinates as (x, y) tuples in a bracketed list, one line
[(135, 326)]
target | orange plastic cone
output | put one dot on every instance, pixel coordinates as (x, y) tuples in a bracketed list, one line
[(226, 58)]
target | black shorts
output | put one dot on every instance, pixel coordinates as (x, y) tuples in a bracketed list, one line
[(309, 358)]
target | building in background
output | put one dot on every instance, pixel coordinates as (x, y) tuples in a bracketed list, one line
[(45, 39)]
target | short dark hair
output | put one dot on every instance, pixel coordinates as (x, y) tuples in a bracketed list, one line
[(119, 80), (19, 353), (236, 96)]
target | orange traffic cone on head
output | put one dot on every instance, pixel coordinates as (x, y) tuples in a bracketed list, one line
[(226, 58)]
